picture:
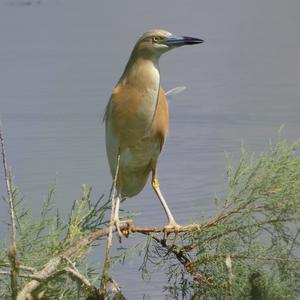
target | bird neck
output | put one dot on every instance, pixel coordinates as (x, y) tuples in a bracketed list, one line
[(142, 71)]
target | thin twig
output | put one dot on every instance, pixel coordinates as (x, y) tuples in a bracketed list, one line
[(12, 252), (258, 224), (81, 279), (228, 263), (23, 275), (183, 259), (246, 257), (8, 188), (21, 267)]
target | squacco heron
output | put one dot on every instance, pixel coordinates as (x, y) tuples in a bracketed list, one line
[(137, 119)]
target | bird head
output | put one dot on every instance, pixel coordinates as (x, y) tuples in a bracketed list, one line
[(157, 42)]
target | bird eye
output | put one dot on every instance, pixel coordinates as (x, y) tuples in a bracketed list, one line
[(156, 39)]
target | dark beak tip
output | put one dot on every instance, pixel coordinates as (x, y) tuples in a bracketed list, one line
[(199, 41), (191, 40)]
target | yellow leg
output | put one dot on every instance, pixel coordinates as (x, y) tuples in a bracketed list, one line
[(155, 185)]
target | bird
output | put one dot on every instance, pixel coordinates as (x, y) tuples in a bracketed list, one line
[(137, 119)]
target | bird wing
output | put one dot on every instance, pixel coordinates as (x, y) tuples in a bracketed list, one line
[(121, 129), (112, 143), (160, 125), (176, 90)]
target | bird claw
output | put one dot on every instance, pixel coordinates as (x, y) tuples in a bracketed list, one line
[(125, 231), (171, 227)]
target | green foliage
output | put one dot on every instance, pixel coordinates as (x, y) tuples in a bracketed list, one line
[(257, 226), (40, 239), (85, 216)]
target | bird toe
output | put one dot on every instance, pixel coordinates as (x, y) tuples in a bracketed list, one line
[(172, 227)]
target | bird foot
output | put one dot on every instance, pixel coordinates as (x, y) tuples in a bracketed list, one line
[(125, 230), (172, 227)]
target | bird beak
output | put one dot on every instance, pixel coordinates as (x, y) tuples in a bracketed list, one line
[(177, 41)]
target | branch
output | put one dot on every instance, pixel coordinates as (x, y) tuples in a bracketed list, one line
[(246, 257), (75, 275), (228, 264), (8, 188), (72, 272), (12, 252), (126, 227), (183, 259), (23, 275), (54, 263), (270, 221), (20, 267)]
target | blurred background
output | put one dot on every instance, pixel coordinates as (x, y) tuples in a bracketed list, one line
[(60, 59)]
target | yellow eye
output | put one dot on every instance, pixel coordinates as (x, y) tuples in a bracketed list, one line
[(156, 39)]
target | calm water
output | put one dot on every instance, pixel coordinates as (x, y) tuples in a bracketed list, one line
[(59, 61)]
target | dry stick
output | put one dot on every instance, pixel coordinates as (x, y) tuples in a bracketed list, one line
[(81, 280), (245, 257), (75, 275), (106, 266), (228, 264), (20, 267), (28, 276), (12, 252), (54, 263), (8, 188)]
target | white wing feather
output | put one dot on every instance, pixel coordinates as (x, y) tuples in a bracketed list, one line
[(175, 91)]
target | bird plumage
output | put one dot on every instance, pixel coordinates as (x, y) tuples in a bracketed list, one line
[(137, 117), (137, 121)]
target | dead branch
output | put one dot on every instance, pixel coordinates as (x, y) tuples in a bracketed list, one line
[(228, 263), (21, 267), (23, 275), (12, 252), (246, 257), (8, 188), (54, 263), (75, 275)]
